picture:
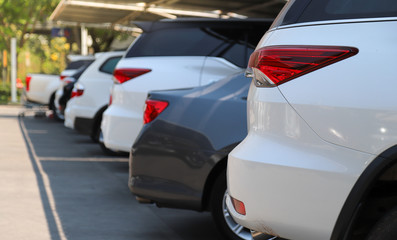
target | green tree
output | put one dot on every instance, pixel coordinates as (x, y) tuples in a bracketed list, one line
[(18, 17)]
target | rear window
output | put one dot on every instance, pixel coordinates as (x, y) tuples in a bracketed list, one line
[(233, 44), (78, 64), (300, 11), (109, 65)]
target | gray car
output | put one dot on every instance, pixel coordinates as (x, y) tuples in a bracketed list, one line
[(179, 158)]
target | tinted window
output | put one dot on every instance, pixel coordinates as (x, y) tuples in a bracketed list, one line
[(321, 10), (109, 65), (78, 64), (175, 42), (233, 44)]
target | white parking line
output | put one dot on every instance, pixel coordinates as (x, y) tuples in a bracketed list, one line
[(46, 184)]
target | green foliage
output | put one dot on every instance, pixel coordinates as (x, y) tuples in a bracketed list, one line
[(41, 55), (5, 93), (18, 16), (103, 38)]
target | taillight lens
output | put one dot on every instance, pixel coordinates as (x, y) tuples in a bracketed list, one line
[(27, 80), (238, 206), (62, 77), (280, 64), (153, 109), (68, 80), (77, 91), (125, 74)]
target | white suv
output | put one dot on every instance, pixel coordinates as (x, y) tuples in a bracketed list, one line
[(169, 55), (320, 161), (90, 95)]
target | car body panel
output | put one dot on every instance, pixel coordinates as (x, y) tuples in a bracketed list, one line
[(41, 87), (173, 156), (289, 147), (340, 120), (311, 138)]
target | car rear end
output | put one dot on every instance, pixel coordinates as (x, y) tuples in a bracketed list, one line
[(320, 109), (176, 136), (91, 93), (173, 55)]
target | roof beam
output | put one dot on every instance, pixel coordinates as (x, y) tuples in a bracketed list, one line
[(164, 12)]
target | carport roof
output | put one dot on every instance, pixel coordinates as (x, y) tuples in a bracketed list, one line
[(123, 12)]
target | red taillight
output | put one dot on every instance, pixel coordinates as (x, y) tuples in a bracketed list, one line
[(153, 109), (125, 74), (238, 206), (27, 80), (281, 64), (62, 77), (77, 91)]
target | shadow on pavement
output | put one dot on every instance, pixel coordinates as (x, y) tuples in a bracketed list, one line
[(90, 195)]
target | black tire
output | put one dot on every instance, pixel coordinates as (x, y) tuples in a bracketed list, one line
[(385, 228), (55, 112), (51, 104), (222, 218), (96, 131)]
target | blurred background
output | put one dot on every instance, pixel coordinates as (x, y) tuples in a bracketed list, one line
[(47, 32)]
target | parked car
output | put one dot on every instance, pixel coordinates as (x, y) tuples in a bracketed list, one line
[(90, 95), (64, 91), (41, 88), (179, 158), (75, 62), (173, 54), (319, 159)]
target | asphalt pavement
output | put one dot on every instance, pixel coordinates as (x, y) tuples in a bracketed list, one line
[(57, 184)]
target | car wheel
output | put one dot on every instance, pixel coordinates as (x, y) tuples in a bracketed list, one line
[(96, 131), (385, 228), (223, 220), (56, 112), (58, 115), (51, 104)]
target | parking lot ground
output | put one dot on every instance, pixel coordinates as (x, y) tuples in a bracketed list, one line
[(57, 184)]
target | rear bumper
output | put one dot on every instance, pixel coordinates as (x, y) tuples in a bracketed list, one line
[(84, 125), (120, 128)]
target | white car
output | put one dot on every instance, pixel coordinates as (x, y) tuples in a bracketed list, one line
[(173, 54), (90, 95), (319, 161), (75, 62), (41, 88), (62, 95)]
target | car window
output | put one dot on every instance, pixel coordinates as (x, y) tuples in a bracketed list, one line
[(78, 64), (109, 65), (238, 44), (175, 42), (300, 11), (233, 44)]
